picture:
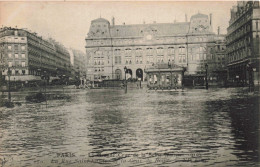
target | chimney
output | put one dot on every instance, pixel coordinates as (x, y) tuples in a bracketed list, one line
[(210, 19), (186, 19), (113, 21), (218, 30)]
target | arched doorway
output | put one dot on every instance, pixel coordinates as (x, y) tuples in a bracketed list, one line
[(139, 74), (118, 74), (129, 73)]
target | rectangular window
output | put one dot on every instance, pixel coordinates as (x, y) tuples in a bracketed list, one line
[(181, 49), (23, 47), (160, 58), (16, 56), (183, 58), (23, 55), (10, 64), (119, 59), (201, 56), (205, 56), (9, 55), (9, 47), (115, 59), (23, 64), (149, 59), (197, 57), (15, 47)]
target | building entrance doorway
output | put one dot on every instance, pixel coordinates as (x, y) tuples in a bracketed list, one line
[(139, 74), (118, 74), (129, 73)]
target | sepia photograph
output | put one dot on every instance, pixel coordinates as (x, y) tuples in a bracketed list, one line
[(129, 83)]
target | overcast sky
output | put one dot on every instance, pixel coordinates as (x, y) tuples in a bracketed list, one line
[(69, 22)]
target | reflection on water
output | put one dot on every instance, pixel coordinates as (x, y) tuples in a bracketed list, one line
[(218, 127)]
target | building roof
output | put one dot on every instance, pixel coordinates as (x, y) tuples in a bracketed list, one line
[(199, 15), (157, 29), (100, 20)]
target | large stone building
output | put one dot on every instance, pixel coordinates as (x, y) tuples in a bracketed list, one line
[(78, 64), (28, 56), (243, 43), (111, 47)]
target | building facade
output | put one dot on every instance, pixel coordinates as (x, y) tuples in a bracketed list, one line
[(111, 47), (28, 56), (79, 65), (243, 43), (165, 76)]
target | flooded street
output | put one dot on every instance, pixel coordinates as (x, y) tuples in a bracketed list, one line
[(106, 127)]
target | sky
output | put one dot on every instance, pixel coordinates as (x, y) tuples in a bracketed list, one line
[(69, 22)]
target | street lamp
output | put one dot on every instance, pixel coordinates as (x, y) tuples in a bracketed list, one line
[(206, 67), (14, 83), (45, 78), (125, 69), (250, 78), (9, 92), (170, 66)]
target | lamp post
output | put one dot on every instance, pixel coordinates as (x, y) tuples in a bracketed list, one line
[(125, 80), (206, 67), (9, 92), (250, 78), (170, 66), (14, 83), (45, 79)]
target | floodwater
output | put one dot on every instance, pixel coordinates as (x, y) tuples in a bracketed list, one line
[(106, 127)]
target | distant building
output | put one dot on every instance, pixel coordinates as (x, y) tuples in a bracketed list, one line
[(111, 47), (243, 43), (217, 67), (29, 56), (79, 65)]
